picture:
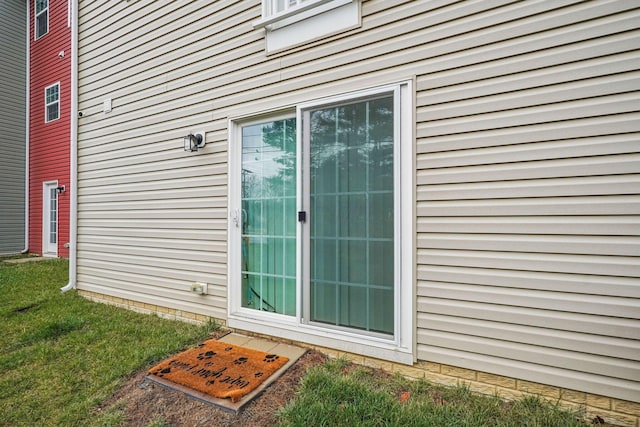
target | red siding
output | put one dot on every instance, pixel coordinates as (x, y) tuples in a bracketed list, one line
[(49, 143)]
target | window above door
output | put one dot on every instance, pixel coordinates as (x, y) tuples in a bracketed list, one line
[(277, 10), (288, 23)]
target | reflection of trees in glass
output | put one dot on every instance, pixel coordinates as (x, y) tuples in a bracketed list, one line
[(352, 210), (268, 168), (352, 151), (269, 160), (268, 209), (281, 136), (351, 138)]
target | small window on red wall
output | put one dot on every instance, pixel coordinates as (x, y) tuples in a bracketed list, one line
[(41, 18), (52, 102)]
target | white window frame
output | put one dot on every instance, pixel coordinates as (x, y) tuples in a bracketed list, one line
[(302, 10), (306, 21), (47, 104), (35, 20), (400, 347)]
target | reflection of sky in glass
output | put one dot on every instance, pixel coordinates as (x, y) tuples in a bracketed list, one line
[(258, 157)]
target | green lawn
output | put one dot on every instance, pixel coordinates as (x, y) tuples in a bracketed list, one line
[(340, 394), (61, 355)]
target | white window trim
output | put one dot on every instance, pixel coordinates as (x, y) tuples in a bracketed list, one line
[(310, 8), (35, 21), (401, 348), (308, 22), (46, 115)]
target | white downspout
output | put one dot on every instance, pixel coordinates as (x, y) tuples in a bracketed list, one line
[(73, 173), (26, 136)]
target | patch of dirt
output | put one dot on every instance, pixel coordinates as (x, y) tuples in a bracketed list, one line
[(144, 402)]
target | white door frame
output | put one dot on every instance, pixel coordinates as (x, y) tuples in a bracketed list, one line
[(49, 249)]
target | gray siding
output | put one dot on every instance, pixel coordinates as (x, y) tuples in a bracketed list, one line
[(13, 72), (527, 163)]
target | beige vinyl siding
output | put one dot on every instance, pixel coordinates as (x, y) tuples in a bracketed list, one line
[(528, 227), (527, 161)]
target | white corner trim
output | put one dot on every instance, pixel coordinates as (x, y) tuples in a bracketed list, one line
[(73, 153), (27, 133)]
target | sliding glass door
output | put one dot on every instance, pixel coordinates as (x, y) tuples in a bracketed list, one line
[(322, 222), (315, 235)]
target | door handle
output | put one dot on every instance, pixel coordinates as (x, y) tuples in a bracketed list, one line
[(235, 216)]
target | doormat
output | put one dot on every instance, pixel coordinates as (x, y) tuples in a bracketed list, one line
[(219, 369)]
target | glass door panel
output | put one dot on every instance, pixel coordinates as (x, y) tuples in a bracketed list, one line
[(53, 216), (351, 203), (269, 216), (50, 219)]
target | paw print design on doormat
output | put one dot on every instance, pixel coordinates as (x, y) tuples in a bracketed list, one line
[(240, 361), (218, 369), (161, 372), (206, 355)]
